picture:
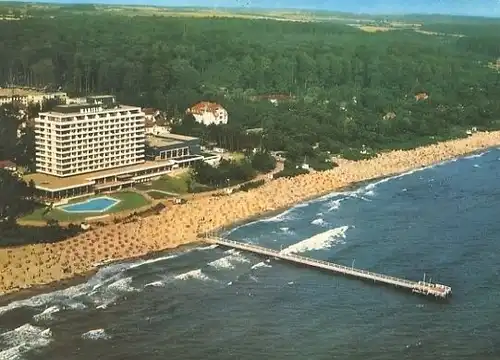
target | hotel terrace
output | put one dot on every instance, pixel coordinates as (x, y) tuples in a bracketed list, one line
[(99, 146)]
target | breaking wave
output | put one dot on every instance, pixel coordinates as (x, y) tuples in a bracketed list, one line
[(320, 241), (22, 340)]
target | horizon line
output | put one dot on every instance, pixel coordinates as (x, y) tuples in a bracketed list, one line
[(245, 8)]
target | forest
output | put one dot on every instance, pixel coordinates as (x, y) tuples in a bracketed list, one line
[(347, 88)]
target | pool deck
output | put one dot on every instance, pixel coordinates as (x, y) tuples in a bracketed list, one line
[(52, 182), (65, 207)]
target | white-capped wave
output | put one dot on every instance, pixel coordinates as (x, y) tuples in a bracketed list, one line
[(122, 285), (96, 334), (319, 221), (209, 247), (287, 230), (152, 261), (222, 263), (328, 196), (260, 265), (228, 262), (281, 217), (193, 274), (370, 193), (23, 339), (335, 204), (320, 241), (155, 284), (475, 156), (47, 313), (232, 252)]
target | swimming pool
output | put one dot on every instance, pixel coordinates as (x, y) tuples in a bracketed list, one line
[(95, 205)]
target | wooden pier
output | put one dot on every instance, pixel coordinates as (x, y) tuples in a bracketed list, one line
[(418, 287)]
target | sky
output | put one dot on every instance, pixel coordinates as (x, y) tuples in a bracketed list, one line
[(490, 8)]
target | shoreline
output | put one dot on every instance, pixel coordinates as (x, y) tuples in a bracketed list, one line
[(31, 269)]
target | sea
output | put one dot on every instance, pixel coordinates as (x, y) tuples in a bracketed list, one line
[(213, 303)]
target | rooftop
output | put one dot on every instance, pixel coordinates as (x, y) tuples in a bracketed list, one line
[(75, 108), (52, 182), (6, 164), (204, 106), (167, 140)]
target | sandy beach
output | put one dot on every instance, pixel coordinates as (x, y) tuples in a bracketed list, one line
[(27, 266)]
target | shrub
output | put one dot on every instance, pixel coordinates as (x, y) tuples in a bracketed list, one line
[(290, 172), (252, 185)]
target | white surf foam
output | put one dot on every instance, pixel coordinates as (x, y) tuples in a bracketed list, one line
[(287, 231), (209, 247), (122, 285), (320, 241), (23, 339), (228, 262), (260, 265), (152, 261), (232, 252), (74, 297), (319, 222), (96, 334), (222, 263), (475, 156), (47, 313), (335, 204), (284, 216), (155, 284), (193, 274)]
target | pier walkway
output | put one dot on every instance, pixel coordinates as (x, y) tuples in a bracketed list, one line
[(419, 287)]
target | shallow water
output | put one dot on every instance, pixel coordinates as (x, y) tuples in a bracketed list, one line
[(215, 303)]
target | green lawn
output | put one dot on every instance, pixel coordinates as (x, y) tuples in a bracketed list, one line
[(237, 156), (159, 195), (129, 200), (172, 184)]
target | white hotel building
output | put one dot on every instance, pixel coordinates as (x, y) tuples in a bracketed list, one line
[(94, 147), (81, 138)]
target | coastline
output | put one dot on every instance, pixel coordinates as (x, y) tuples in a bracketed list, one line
[(32, 268)]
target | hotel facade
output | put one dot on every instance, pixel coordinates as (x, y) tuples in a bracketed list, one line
[(99, 146), (98, 135)]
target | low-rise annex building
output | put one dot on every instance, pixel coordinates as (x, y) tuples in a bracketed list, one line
[(29, 96)]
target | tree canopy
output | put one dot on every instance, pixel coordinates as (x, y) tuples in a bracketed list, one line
[(346, 87), (17, 198)]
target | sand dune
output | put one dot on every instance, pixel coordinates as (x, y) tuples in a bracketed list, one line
[(26, 266)]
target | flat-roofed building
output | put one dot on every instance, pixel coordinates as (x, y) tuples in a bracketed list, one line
[(181, 149), (29, 96), (79, 138)]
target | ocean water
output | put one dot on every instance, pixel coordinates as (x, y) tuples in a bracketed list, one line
[(214, 303)]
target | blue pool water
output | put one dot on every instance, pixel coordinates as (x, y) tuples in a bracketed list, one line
[(99, 204)]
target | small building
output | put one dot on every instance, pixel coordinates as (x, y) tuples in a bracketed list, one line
[(157, 130), (208, 113), (8, 165), (151, 114), (181, 149), (25, 96), (389, 116), (421, 96)]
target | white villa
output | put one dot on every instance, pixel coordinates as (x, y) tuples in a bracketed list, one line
[(208, 113)]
